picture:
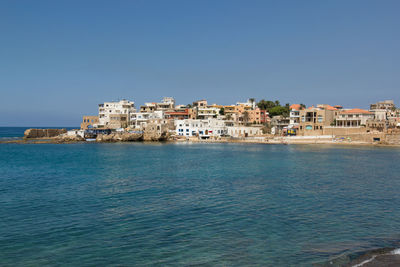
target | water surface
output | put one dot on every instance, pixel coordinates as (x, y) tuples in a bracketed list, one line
[(195, 204)]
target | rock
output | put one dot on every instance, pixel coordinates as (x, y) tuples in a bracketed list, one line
[(68, 139), (130, 137)]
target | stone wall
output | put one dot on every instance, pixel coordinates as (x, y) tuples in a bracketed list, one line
[(365, 137), (393, 139), (43, 133), (344, 130)]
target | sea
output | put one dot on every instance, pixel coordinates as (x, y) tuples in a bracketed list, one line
[(191, 204)]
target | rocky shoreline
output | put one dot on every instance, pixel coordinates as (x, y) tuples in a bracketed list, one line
[(61, 136)]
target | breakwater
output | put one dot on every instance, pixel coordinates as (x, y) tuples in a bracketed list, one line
[(43, 133)]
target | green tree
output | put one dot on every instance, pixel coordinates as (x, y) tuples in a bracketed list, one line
[(222, 111), (266, 104), (279, 110)]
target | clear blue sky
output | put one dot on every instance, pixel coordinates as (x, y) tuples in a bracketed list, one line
[(59, 59)]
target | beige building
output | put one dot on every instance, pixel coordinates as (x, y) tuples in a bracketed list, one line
[(244, 131), (89, 121), (387, 105), (353, 118), (314, 119), (166, 104)]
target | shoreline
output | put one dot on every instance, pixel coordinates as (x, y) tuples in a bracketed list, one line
[(208, 141)]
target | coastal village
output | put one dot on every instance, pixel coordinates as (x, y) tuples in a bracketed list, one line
[(250, 121)]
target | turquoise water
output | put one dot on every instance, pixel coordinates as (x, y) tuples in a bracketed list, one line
[(195, 204)]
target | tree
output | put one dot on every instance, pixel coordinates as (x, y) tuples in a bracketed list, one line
[(266, 104), (279, 110), (302, 106), (222, 111)]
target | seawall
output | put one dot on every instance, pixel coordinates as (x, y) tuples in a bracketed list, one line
[(43, 133)]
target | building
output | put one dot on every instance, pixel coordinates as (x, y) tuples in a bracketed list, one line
[(115, 114), (201, 128), (294, 116), (140, 119), (353, 118), (244, 131), (148, 107), (279, 123), (208, 112), (314, 119), (240, 113), (178, 114), (166, 104), (200, 103), (251, 103), (386, 105), (257, 116), (89, 122)]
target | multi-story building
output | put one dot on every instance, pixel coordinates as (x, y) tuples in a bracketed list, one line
[(258, 116), (386, 105), (240, 113), (178, 114), (251, 103), (314, 119), (115, 114), (166, 104), (353, 118), (140, 119), (208, 112), (294, 116), (279, 123)]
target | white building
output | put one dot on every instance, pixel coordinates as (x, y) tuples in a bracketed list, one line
[(201, 128), (115, 114), (294, 116), (140, 119)]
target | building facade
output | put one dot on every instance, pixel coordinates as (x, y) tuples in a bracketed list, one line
[(314, 119), (115, 114), (353, 118)]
